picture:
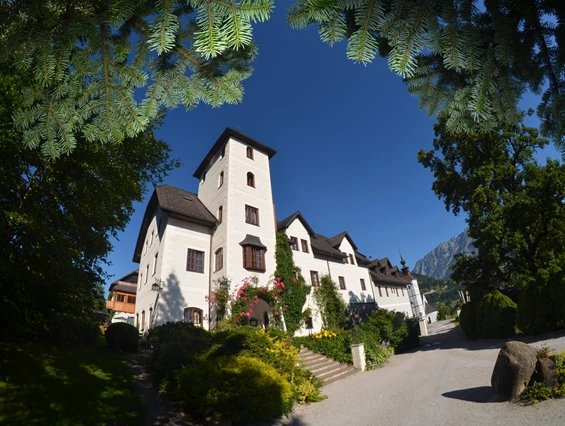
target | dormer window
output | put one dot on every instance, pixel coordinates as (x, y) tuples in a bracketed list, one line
[(250, 179), (221, 179), (250, 153), (351, 259)]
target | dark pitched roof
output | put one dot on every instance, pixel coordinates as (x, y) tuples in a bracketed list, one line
[(285, 223), (231, 133), (252, 240), (184, 203), (378, 277), (430, 308), (321, 244), (362, 259), (127, 283), (180, 204), (336, 241)]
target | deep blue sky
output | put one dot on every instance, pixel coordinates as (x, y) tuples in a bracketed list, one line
[(347, 136)]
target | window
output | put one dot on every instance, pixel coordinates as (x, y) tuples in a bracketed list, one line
[(155, 263), (131, 299), (386, 289), (219, 259), (341, 283), (120, 298), (221, 179), (304, 246), (250, 179), (250, 153), (193, 316), (150, 317), (159, 224), (254, 258), (195, 261), (137, 319), (152, 235), (363, 287), (397, 292), (220, 214), (223, 151), (315, 278), (351, 259), (293, 243), (309, 323), (403, 292), (140, 281), (380, 292), (146, 273), (251, 215), (142, 320), (345, 259)]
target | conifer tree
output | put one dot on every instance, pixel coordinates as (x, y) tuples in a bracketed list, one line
[(104, 69), (470, 59)]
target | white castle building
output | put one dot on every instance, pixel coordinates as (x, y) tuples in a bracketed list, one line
[(188, 242)]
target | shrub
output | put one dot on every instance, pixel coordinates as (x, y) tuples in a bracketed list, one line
[(496, 316), (122, 336), (333, 344), (174, 332), (541, 306), (493, 316), (406, 336), (468, 321), (240, 388)]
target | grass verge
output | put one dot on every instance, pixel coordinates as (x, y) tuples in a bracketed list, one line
[(54, 386)]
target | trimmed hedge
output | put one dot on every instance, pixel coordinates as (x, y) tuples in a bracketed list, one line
[(238, 388), (121, 336), (493, 316), (541, 306)]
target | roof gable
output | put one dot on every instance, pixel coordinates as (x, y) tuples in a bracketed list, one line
[(285, 223), (180, 204), (337, 240), (224, 137)]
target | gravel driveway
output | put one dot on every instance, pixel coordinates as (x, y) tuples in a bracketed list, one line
[(446, 381)]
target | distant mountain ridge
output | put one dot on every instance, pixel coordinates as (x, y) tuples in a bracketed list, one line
[(436, 263)]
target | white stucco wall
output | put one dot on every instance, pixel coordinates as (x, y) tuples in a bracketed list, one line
[(149, 271), (180, 288), (397, 299)]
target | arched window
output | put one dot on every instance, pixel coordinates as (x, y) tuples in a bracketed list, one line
[(251, 179), (150, 317), (193, 316), (221, 179), (250, 153), (220, 214), (142, 320), (219, 259)]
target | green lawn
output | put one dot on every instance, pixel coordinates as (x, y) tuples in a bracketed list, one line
[(53, 386)]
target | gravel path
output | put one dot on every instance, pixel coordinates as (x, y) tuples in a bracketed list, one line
[(446, 381)]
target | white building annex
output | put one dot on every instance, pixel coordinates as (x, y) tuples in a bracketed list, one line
[(188, 243)]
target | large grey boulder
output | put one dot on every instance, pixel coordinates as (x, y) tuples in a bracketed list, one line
[(514, 367), (546, 373)]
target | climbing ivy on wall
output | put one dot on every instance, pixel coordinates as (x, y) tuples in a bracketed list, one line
[(330, 304), (295, 291)]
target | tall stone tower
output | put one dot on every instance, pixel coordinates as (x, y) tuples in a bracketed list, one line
[(235, 185)]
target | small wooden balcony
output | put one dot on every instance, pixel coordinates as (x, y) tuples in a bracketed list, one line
[(121, 306)]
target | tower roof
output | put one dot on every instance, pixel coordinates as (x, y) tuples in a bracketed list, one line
[(231, 133)]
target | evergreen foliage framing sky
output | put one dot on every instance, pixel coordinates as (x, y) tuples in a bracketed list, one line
[(347, 136)]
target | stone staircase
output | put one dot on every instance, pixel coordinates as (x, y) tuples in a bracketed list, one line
[(324, 368)]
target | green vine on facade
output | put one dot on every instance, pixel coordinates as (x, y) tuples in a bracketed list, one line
[(330, 304), (295, 291)]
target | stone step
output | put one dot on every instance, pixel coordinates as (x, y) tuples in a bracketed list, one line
[(316, 362), (324, 368), (342, 375)]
